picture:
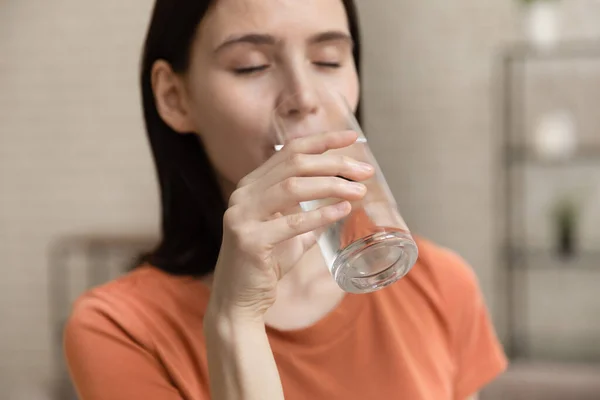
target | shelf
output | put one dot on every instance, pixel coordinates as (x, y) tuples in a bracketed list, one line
[(547, 259), (532, 273), (572, 50), (585, 154)]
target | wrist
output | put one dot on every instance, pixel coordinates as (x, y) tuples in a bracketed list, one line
[(225, 322), (222, 307), (236, 343)]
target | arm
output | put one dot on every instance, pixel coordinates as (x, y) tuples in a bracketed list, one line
[(260, 245), (240, 360)]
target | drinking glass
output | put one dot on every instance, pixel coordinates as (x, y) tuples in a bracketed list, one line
[(372, 247)]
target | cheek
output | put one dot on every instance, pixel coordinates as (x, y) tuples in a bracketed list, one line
[(348, 85), (353, 90), (233, 123), (353, 95)]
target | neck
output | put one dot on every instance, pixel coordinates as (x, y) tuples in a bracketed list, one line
[(305, 295), (308, 275)]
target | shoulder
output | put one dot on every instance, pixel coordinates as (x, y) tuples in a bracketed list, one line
[(452, 289), (439, 289), (127, 306), (114, 306), (124, 332), (450, 270), (447, 287), (444, 274)]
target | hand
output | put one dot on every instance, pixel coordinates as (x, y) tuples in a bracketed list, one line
[(261, 244)]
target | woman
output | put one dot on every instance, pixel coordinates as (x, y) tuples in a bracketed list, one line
[(218, 312)]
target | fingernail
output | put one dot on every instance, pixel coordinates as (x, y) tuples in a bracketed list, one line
[(357, 188), (363, 167), (341, 208)]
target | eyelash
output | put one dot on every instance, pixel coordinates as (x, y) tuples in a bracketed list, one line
[(259, 68), (328, 64), (250, 70)]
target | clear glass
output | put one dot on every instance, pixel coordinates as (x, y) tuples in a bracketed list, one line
[(372, 247)]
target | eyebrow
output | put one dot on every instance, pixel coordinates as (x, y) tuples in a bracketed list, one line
[(250, 38), (331, 36), (259, 39)]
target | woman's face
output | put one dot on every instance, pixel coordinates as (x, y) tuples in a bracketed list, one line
[(247, 56)]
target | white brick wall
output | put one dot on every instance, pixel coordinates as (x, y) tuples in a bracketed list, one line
[(73, 155), (429, 82)]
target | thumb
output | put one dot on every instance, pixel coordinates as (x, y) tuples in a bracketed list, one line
[(308, 240)]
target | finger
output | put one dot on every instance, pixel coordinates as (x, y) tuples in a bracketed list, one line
[(314, 144), (295, 190), (290, 226), (306, 165), (289, 260)]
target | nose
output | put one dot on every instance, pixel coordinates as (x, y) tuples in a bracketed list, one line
[(299, 98), (300, 104)]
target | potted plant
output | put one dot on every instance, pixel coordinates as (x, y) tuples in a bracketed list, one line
[(542, 22), (565, 215)]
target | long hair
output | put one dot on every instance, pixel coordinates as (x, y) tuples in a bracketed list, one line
[(192, 205)]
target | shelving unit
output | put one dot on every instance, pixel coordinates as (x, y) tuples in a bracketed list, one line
[(518, 256), (547, 260), (525, 155)]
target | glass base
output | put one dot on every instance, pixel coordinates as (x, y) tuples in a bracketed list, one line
[(374, 262)]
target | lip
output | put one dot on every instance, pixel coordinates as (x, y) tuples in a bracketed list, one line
[(291, 130), (279, 143)]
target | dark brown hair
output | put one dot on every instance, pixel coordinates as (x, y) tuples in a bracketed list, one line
[(191, 201)]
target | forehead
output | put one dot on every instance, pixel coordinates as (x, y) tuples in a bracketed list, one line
[(283, 18)]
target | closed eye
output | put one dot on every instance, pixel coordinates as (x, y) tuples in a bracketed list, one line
[(250, 70), (259, 68), (328, 64)]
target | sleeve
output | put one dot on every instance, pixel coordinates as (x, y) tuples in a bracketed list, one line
[(106, 362), (479, 356)]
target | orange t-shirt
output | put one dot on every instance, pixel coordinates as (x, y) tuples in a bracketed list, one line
[(427, 337)]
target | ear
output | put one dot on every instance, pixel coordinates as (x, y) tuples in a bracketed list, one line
[(171, 98)]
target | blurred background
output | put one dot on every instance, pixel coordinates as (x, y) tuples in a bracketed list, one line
[(484, 116)]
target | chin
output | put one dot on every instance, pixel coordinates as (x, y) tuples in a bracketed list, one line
[(267, 151)]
